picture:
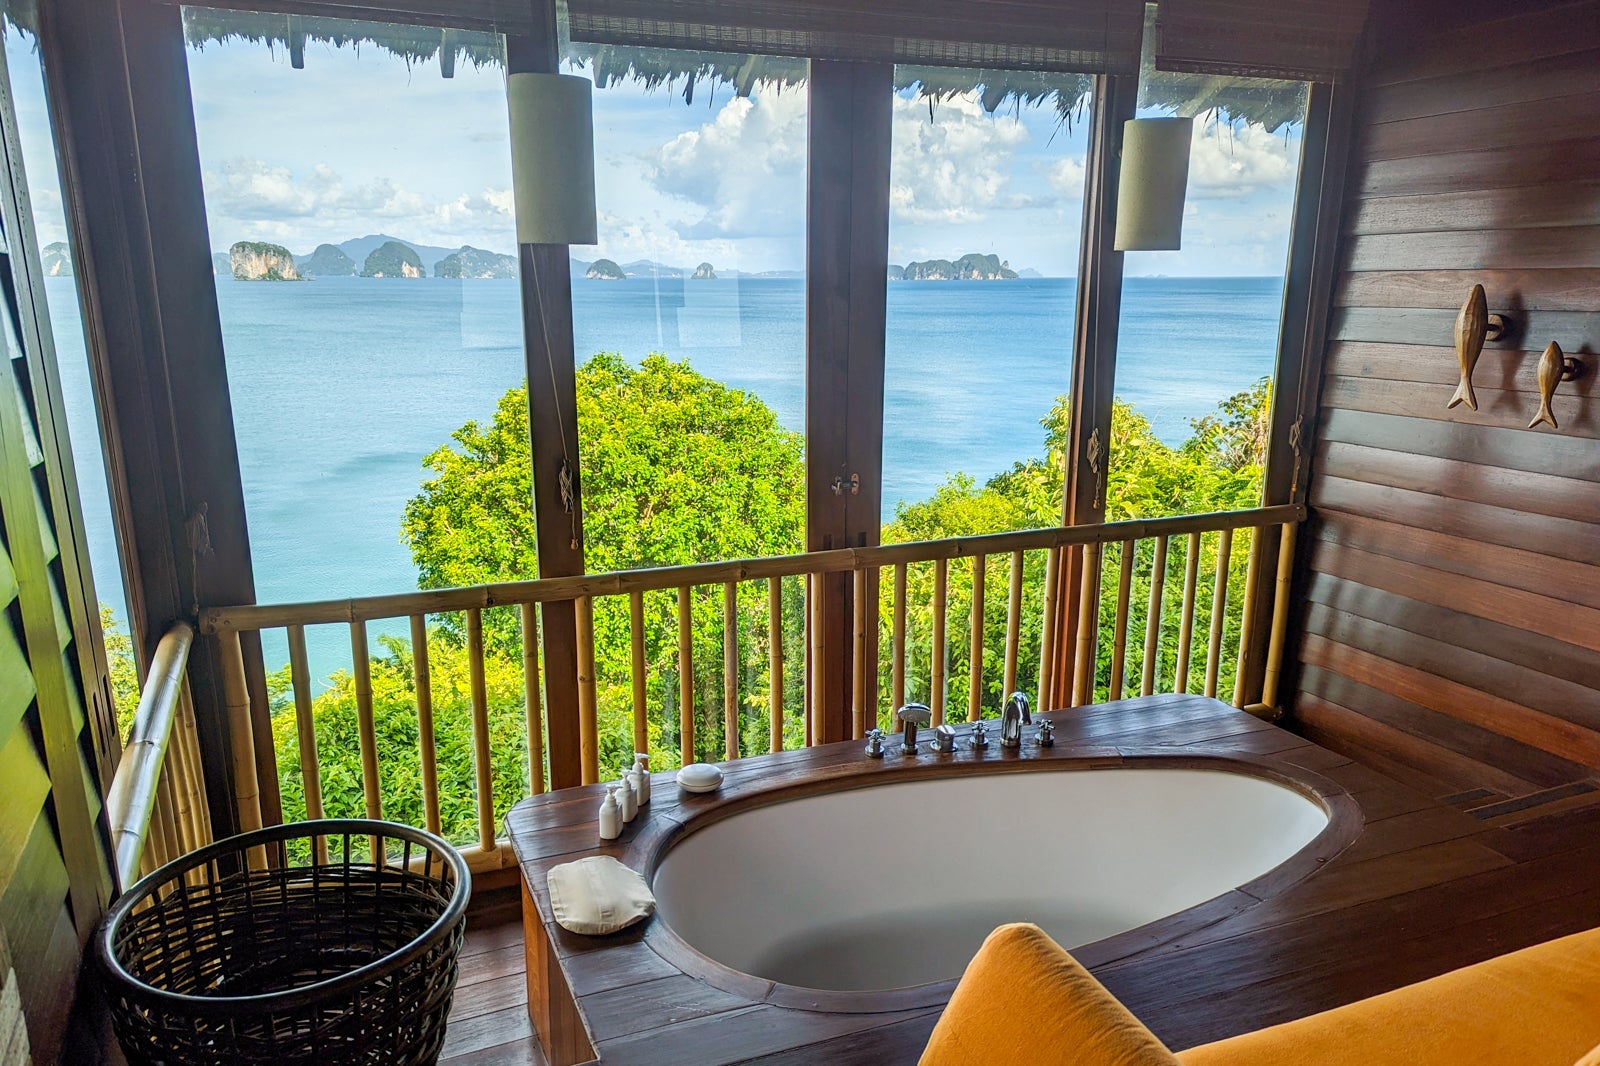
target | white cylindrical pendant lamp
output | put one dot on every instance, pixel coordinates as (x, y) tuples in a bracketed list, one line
[(552, 158), (1155, 172)]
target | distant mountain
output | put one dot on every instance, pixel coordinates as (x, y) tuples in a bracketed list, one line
[(327, 261), (56, 259), (471, 262), (649, 268), (1029, 272), (970, 267), (222, 264), (705, 272), (604, 270), (358, 248), (259, 261), (391, 259), (897, 272)]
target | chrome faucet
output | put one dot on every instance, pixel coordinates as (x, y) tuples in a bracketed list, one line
[(1012, 719), (911, 716)]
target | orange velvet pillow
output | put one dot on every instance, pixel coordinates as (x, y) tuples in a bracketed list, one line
[(1591, 1059), (1025, 1002)]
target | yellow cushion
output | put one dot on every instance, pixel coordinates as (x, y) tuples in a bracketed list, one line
[(1025, 1002), (1535, 1007), (1591, 1059)]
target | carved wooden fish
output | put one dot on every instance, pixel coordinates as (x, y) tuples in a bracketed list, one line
[(1472, 325), (1552, 365)]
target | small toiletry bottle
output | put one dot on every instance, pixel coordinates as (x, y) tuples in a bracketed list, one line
[(636, 785), (641, 763), (610, 816), (627, 799)]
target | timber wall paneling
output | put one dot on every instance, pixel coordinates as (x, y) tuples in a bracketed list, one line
[(1451, 621)]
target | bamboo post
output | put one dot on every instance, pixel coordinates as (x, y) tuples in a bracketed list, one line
[(532, 699), (588, 713), (1085, 668), (1219, 618), (1047, 630), (685, 676), (936, 669), (1013, 626), (427, 748), (1247, 618), (1152, 624), (246, 790), (306, 729), (897, 652), (980, 566), (365, 727), (730, 670), (858, 660), (641, 714), (482, 766), (775, 663), (197, 783), (1119, 628), (812, 667), (1191, 582), (1280, 622)]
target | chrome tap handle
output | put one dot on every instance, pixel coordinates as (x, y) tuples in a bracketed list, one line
[(874, 743), (1047, 733), (910, 716), (980, 737), (944, 739)]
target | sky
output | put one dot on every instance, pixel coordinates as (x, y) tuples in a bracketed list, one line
[(360, 142)]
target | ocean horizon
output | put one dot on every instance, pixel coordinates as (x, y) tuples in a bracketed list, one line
[(340, 387)]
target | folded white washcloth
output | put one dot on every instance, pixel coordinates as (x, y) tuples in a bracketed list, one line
[(598, 895)]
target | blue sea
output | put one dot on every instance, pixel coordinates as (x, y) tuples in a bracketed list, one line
[(341, 386)]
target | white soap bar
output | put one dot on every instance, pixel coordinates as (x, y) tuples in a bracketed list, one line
[(699, 777)]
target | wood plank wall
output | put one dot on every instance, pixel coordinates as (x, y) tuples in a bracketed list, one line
[(1451, 629)]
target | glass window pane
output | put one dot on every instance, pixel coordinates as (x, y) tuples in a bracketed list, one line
[(72, 362), (986, 205), (1198, 340)]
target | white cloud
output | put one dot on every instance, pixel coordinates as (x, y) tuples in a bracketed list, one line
[(1227, 160), (953, 168), (744, 170), (1065, 176), (248, 197)]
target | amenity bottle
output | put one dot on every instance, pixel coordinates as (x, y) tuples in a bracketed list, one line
[(641, 763), (627, 799), (610, 816)]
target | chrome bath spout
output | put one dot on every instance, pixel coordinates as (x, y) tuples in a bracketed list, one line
[(1016, 715)]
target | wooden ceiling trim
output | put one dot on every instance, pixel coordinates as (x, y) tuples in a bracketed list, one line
[(1307, 40)]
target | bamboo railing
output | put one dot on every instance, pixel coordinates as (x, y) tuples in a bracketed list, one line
[(913, 607), (156, 805)]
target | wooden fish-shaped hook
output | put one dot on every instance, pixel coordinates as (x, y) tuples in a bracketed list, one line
[(1555, 366), (1472, 326)]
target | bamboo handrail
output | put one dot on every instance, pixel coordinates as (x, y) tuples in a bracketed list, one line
[(1191, 584), (306, 734), (217, 620), (242, 745), (1013, 625), (366, 728), (131, 800), (588, 709), (641, 712), (858, 644), (1084, 667), (1047, 629), (897, 649), (1152, 624), (1280, 624), (1247, 620)]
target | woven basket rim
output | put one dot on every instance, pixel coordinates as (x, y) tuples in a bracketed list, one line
[(293, 998)]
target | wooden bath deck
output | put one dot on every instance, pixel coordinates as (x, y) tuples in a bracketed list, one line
[(1430, 884)]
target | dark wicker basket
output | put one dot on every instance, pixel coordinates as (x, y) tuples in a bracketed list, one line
[(339, 961)]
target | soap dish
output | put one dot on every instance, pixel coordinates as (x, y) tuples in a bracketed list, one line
[(699, 777)]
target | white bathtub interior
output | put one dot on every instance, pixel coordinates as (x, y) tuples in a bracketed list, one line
[(895, 885)]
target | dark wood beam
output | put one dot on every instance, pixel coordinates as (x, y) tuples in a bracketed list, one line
[(553, 434), (117, 80), (1094, 358), (847, 271)]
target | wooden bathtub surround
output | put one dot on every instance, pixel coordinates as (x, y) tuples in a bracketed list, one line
[(636, 996)]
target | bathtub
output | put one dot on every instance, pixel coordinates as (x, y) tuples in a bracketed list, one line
[(895, 885)]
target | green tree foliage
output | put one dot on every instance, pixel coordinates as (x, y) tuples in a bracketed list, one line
[(678, 468)]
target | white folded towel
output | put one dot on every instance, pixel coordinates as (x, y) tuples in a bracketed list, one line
[(598, 895)]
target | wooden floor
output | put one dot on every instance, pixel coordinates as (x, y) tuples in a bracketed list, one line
[(1432, 883)]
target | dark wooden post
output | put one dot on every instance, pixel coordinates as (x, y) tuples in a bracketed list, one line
[(847, 278), (118, 88), (553, 433), (1094, 360)]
